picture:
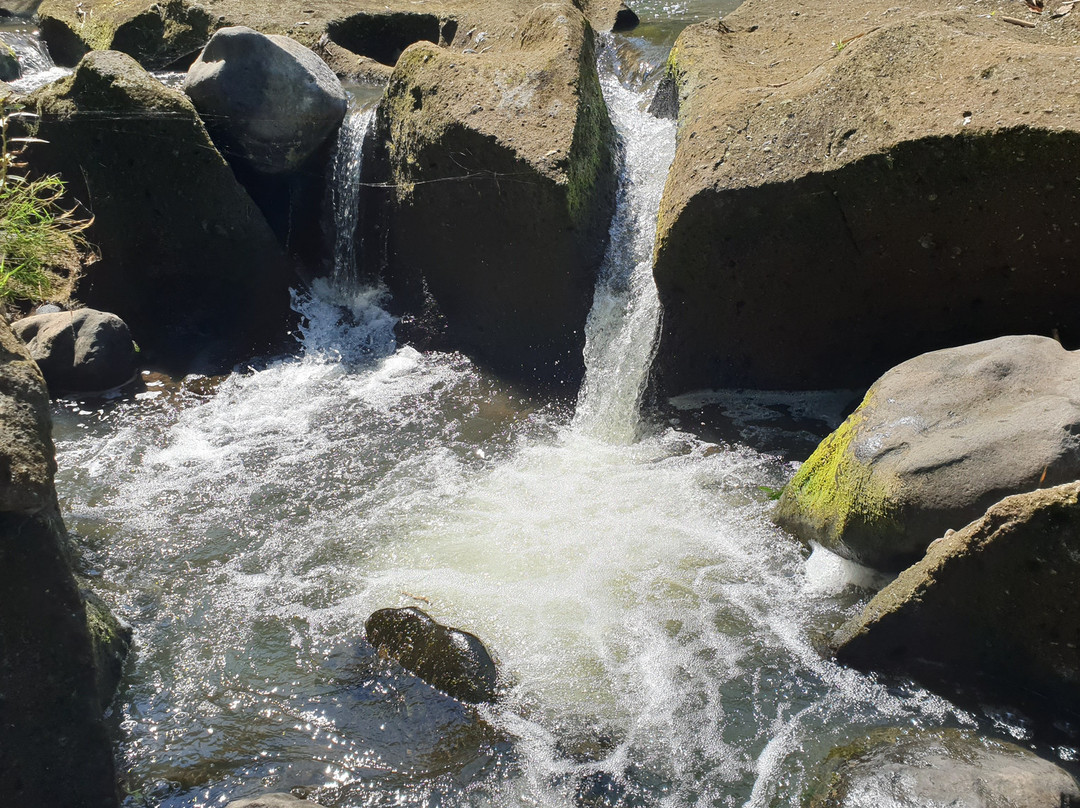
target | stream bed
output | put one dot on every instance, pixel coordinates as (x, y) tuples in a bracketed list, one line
[(658, 638)]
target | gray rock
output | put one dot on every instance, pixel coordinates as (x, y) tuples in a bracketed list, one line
[(268, 99), (451, 660), (992, 605), (938, 440), (79, 351), (187, 259), (54, 749), (451, 130), (111, 642), (276, 800), (906, 768), (9, 63)]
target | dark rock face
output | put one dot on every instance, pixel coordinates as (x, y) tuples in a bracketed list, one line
[(906, 768), (53, 745), (992, 605), (267, 100), (835, 209), (110, 641), (501, 167), (938, 440), (451, 660), (187, 259), (383, 37), (79, 351)]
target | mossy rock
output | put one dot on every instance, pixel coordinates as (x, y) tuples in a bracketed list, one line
[(991, 606), (857, 183), (188, 261), (937, 440), (111, 642), (511, 152), (453, 661), (910, 768)]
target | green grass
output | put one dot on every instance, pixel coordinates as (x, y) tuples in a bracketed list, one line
[(41, 242)]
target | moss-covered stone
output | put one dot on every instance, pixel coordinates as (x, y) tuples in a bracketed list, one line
[(992, 605), (187, 259), (111, 643), (937, 440), (510, 151)]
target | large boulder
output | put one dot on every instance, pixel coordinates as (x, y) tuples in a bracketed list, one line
[(500, 170), (170, 33), (266, 99), (909, 768), (79, 351), (936, 441), (859, 182), (53, 746), (187, 259), (451, 660), (992, 605)]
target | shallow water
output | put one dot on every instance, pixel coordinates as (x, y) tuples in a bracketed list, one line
[(655, 632)]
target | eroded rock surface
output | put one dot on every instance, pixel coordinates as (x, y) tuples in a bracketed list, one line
[(856, 183), (992, 605), (937, 440), (187, 259), (501, 170)]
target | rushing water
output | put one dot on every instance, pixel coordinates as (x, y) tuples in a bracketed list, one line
[(345, 192), (656, 634)]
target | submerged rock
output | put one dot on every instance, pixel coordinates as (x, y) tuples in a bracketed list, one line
[(79, 351), (53, 746), (449, 659), (993, 604), (906, 768), (937, 440), (856, 183), (275, 800), (266, 100), (187, 259), (501, 173)]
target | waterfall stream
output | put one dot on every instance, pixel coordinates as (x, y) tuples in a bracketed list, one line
[(656, 634)]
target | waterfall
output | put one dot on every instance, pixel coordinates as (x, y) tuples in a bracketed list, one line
[(35, 63), (345, 193), (620, 334)]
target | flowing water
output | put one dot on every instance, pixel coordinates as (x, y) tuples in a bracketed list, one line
[(655, 633)]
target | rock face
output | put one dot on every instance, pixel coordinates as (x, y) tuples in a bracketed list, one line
[(267, 99), (856, 183), (451, 660), (79, 351), (938, 440), (276, 800), (502, 181), (992, 604), (53, 745), (906, 768), (187, 259)]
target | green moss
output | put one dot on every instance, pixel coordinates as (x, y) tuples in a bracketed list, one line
[(591, 159), (833, 488)]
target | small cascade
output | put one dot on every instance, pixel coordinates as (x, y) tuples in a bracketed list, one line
[(36, 65), (345, 193), (620, 334)]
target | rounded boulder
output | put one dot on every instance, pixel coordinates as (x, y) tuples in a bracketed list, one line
[(79, 351), (266, 99)]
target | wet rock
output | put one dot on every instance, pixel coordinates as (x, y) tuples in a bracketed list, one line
[(508, 137), (79, 351), (187, 259), (451, 660), (110, 640), (53, 746), (992, 605), (9, 63), (906, 768), (625, 19), (277, 800), (859, 183), (267, 100), (937, 440)]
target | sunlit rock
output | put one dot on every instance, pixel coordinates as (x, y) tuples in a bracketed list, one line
[(449, 659), (79, 351), (937, 440)]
